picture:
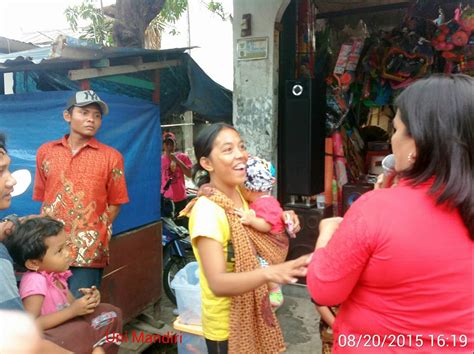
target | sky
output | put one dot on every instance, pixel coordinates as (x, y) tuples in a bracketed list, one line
[(18, 18)]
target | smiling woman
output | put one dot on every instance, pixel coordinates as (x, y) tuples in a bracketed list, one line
[(236, 311)]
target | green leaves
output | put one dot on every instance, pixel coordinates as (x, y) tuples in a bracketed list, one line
[(217, 8), (99, 29)]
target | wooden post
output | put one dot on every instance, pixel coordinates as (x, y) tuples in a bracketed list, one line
[(156, 92), (85, 84), (2, 84)]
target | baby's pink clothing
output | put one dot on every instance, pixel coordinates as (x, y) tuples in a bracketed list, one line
[(43, 283), (269, 209)]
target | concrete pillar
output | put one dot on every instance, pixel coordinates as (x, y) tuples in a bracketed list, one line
[(188, 134), (255, 103)]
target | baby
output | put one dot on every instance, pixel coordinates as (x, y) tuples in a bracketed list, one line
[(265, 214)]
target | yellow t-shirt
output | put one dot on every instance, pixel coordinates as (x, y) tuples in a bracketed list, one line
[(207, 219)]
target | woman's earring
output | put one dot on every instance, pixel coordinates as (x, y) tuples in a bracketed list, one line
[(411, 157)]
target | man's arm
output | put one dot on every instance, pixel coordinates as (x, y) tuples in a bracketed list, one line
[(186, 169), (9, 296), (114, 210), (40, 178)]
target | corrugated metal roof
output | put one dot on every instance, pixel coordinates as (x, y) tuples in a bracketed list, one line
[(44, 37), (32, 55), (8, 45), (67, 49)]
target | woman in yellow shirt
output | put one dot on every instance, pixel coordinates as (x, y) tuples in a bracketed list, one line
[(236, 313)]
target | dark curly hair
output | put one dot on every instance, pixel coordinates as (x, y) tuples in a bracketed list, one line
[(27, 239)]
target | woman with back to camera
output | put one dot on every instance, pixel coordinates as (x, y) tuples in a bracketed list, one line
[(236, 313), (401, 261)]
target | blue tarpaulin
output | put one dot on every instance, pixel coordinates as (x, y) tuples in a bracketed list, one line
[(132, 127)]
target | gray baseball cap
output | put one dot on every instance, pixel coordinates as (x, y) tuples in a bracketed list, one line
[(87, 97)]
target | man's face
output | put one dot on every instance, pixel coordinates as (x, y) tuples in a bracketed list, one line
[(169, 146), (84, 121), (6, 180)]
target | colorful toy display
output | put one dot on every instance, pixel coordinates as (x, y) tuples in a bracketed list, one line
[(368, 73)]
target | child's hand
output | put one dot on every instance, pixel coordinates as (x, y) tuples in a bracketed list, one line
[(246, 217), (93, 292), (289, 226), (83, 306), (96, 295), (290, 216)]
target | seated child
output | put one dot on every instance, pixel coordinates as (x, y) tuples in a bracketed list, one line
[(328, 316), (265, 211), (81, 325)]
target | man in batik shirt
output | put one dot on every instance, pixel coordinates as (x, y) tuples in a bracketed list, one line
[(81, 182)]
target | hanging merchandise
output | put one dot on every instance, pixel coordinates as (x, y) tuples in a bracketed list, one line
[(401, 66), (410, 54), (365, 73), (454, 39), (339, 99), (338, 106), (353, 146), (347, 61)]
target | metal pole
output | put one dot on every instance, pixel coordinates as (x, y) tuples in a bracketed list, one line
[(189, 27)]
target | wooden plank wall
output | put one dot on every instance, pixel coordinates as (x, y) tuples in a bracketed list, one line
[(133, 279)]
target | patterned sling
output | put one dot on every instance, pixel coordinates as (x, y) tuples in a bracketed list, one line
[(253, 325)]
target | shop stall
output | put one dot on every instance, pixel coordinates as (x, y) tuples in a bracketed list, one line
[(340, 72)]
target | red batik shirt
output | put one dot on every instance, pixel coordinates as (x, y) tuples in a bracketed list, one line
[(77, 189)]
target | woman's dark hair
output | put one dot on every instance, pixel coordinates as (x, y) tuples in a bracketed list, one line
[(203, 144), (27, 239), (439, 115)]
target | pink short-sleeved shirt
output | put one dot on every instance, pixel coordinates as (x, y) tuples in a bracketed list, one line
[(177, 188), (43, 283), (402, 268)]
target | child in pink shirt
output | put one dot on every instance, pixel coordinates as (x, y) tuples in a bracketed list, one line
[(39, 245), (265, 211)]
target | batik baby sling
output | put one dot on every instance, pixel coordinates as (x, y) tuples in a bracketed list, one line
[(253, 325)]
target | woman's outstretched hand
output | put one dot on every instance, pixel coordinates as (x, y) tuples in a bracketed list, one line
[(288, 272)]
